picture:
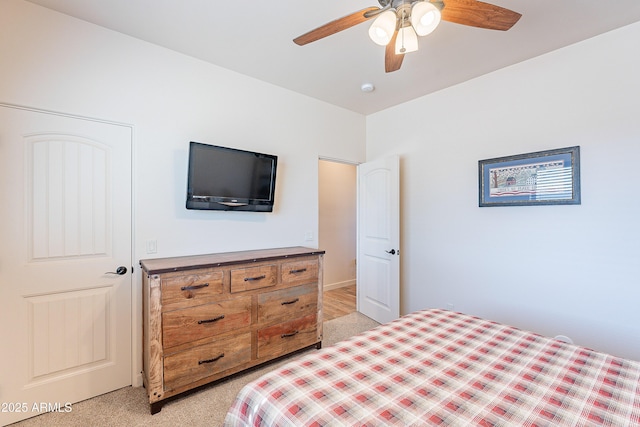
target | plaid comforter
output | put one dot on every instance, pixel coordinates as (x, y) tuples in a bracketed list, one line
[(437, 367)]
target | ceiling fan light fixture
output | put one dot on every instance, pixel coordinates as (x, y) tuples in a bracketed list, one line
[(425, 17), (407, 40), (383, 27)]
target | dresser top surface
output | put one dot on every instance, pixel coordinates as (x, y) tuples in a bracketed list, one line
[(164, 265)]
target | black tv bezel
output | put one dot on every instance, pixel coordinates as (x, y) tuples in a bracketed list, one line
[(230, 203)]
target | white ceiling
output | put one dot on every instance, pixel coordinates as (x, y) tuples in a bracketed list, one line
[(255, 38)]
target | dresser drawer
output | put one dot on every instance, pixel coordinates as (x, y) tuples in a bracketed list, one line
[(288, 336), (246, 279), (300, 272), (194, 323), (287, 303), (194, 287), (191, 365)]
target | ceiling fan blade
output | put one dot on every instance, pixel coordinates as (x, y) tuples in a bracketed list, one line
[(336, 26), (479, 14), (392, 61)]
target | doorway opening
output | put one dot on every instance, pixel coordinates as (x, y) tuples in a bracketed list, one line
[(337, 235)]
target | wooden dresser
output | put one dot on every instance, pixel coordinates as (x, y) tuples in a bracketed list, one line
[(206, 317)]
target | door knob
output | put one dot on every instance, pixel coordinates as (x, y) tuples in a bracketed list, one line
[(392, 252), (119, 271)]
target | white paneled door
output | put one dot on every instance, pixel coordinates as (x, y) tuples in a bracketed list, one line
[(378, 283), (65, 227)]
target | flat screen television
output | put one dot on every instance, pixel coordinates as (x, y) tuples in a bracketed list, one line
[(228, 179)]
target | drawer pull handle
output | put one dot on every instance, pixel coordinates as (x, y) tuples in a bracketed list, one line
[(290, 334), (215, 319), (194, 287), (293, 301), (300, 270), (201, 362), (248, 279)]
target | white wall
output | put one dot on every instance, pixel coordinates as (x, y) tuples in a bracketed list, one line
[(337, 222), (571, 270), (52, 61), (55, 62)]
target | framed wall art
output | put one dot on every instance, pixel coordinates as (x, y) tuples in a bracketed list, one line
[(549, 177)]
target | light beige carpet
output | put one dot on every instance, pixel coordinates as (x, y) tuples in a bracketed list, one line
[(207, 407)]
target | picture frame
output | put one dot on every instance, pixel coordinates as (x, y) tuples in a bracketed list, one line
[(550, 177)]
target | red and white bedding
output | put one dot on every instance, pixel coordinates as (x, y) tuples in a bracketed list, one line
[(437, 367)]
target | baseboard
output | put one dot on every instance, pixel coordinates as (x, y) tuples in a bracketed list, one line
[(137, 380), (337, 285)]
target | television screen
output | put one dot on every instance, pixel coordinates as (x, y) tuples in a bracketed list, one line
[(222, 178)]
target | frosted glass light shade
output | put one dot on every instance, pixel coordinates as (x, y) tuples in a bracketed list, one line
[(425, 17), (383, 27), (407, 40)]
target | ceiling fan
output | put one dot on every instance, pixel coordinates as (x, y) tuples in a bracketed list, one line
[(398, 23)]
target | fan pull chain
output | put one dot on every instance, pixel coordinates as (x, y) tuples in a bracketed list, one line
[(402, 22)]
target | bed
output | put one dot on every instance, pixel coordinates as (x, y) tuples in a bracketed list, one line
[(438, 367)]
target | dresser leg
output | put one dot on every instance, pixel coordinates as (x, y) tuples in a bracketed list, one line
[(318, 345), (155, 407)]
